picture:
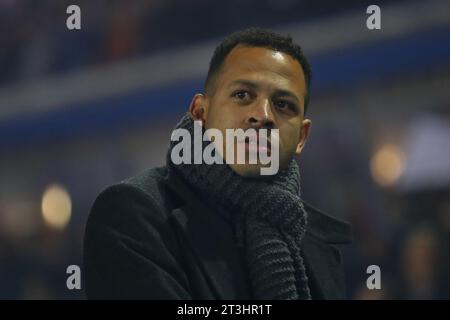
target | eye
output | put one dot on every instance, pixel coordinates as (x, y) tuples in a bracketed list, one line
[(241, 95), (284, 105)]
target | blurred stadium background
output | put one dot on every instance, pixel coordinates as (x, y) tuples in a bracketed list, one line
[(80, 110)]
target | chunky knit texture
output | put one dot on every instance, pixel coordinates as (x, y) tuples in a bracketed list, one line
[(269, 218)]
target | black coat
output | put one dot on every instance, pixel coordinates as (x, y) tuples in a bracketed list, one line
[(152, 237)]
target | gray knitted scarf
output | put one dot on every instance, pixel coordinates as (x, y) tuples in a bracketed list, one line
[(268, 217)]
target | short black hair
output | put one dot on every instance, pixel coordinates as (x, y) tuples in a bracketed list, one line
[(257, 37)]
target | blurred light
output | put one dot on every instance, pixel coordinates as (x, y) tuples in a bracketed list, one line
[(387, 164), (18, 219), (428, 154), (56, 206)]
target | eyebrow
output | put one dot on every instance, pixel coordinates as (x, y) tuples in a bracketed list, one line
[(255, 85)]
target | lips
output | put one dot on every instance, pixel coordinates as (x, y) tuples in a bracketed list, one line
[(256, 146)]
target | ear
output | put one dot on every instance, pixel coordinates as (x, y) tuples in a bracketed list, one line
[(199, 107), (304, 132)]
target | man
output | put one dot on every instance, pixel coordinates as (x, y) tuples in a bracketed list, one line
[(223, 231)]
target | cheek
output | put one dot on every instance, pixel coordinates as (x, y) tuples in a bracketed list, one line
[(221, 116), (288, 139), (212, 117), (216, 119)]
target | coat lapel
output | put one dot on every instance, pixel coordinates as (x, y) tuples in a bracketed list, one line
[(211, 240), (322, 258)]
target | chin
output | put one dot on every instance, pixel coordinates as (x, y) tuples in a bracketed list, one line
[(248, 170)]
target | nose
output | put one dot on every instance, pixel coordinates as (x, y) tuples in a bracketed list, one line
[(261, 116)]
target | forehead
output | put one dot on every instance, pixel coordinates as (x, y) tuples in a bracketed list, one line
[(263, 64)]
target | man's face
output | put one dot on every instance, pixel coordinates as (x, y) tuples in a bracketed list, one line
[(262, 89)]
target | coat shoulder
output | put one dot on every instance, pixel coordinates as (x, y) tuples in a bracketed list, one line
[(130, 247), (145, 193), (150, 181)]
